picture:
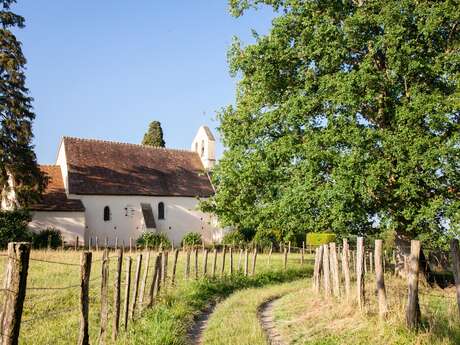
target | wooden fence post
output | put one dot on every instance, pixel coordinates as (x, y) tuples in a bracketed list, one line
[(371, 262), (360, 255), (214, 263), (334, 266), (90, 243), (130, 244), (116, 296), (173, 274), (285, 257), (303, 253), (254, 259), (106, 244), (77, 243), (224, 251), (240, 259), (15, 291), (157, 282), (156, 272), (116, 243), (230, 252), (137, 275), (97, 244), (317, 269), (289, 247), (346, 267), (144, 279), (205, 262), (104, 315), (85, 271), (270, 253), (413, 307), (127, 291), (326, 271), (455, 251), (246, 262), (187, 265), (380, 280), (196, 263)]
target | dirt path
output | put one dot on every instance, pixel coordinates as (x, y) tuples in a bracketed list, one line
[(196, 332), (265, 314)]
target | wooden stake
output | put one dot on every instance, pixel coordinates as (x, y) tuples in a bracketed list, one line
[(214, 263), (187, 265), (246, 262), (97, 244), (116, 296), (360, 255), (413, 307), (254, 259), (317, 269), (230, 251), (270, 253), (104, 315), (285, 257), (224, 252), (326, 271), (85, 271), (173, 275), (144, 279), (205, 263), (156, 272), (345, 267), (15, 291), (196, 263), (127, 291), (380, 280), (455, 251), (240, 260), (303, 253), (137, 275), (334, 265)]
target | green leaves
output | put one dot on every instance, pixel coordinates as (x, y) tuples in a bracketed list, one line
[(347, 119), (154, 135)]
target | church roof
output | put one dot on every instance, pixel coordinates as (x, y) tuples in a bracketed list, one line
[(54, 198), (98, 167), (209, 133)]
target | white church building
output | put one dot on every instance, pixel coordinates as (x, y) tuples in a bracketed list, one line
[(117, 190)]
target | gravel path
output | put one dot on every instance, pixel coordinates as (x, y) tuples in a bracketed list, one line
[(265, 314), (196, 332)]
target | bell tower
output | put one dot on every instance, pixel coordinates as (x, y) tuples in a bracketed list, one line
[(205, 145)]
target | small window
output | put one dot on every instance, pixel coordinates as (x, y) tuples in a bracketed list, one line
[(147, 212), (161, 210), (202, 148), (106, 214)]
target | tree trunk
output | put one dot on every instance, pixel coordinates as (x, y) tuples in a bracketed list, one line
[(402, 253)]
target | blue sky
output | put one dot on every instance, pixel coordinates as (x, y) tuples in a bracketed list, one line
[(105, 68)]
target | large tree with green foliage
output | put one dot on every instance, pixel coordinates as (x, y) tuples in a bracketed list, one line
[(347, 119), (154, 135), (19, 173)]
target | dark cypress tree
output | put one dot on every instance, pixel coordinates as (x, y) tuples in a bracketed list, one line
[(19, 172), (154, 135)]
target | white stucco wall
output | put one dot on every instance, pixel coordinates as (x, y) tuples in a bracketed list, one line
[(205, 148), (181, 216), (62, 162), (71, 224)]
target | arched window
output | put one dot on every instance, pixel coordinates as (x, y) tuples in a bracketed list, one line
[(161, 210), (106, 214), (202, 148)]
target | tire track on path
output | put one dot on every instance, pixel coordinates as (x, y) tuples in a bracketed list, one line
[(266, 319)]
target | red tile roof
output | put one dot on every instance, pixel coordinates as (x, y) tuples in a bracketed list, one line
[(54, 198), (100, 167)]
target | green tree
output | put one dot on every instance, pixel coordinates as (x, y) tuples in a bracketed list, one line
[(154, 135), (19, 173), (346, 120)]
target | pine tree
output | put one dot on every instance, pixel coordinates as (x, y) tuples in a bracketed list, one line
[(19, 173), (154, 135)]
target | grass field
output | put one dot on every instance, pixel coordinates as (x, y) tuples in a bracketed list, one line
[(52, 300), (304, 318)]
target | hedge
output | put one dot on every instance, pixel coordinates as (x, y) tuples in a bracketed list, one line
[(319, 238)]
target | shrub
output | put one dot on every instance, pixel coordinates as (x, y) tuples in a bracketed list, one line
[(40, 239), (233, 237), (13, 227), (153, 239), (319, 238), (266, 237), (191, 239)]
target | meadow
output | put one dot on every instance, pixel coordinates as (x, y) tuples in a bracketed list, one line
[(51, 308)]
